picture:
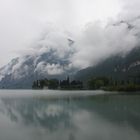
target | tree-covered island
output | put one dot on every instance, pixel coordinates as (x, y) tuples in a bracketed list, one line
[(58, 84), (93, 83)]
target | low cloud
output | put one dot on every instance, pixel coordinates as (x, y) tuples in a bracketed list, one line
[(51, 69), (50, 55), (97, 42), (57, 52)]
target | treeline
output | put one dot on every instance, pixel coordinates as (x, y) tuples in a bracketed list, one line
[(94, 83), (110, 84), (56, 84), (98, 82)]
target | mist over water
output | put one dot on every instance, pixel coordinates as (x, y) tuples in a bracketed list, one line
[(32, 116)]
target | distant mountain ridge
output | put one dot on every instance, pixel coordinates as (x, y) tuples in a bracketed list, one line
[(45, 61), (117, 67)]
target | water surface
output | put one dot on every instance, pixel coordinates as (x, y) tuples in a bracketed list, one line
[(68, 115)]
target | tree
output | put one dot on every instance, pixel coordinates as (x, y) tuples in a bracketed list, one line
[(98, 82), (53, 84)]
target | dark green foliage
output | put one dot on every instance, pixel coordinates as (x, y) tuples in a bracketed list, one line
[(112, 85), (64, 84), (98, 82), (53, 84), (127, 88), (76, 84), (40, 84)]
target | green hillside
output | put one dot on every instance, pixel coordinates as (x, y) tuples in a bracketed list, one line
[(119, 68)]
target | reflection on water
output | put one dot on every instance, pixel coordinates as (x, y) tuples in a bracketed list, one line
[(103, 117)]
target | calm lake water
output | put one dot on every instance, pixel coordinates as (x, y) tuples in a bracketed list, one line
[(68, 115)]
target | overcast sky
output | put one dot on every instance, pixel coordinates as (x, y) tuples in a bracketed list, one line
[(22, 21)]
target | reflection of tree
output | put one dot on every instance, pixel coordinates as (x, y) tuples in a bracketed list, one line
[(52, 114), (71, 136), (37, 112), (119, 109)]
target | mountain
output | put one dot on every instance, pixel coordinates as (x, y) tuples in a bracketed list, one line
[(22, 71), (118, 67), (56, 55), (46, 63), (47, 59)]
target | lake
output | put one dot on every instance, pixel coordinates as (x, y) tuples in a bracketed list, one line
[(68, 115)]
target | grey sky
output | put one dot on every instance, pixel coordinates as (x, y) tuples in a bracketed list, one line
[(22, 21)]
